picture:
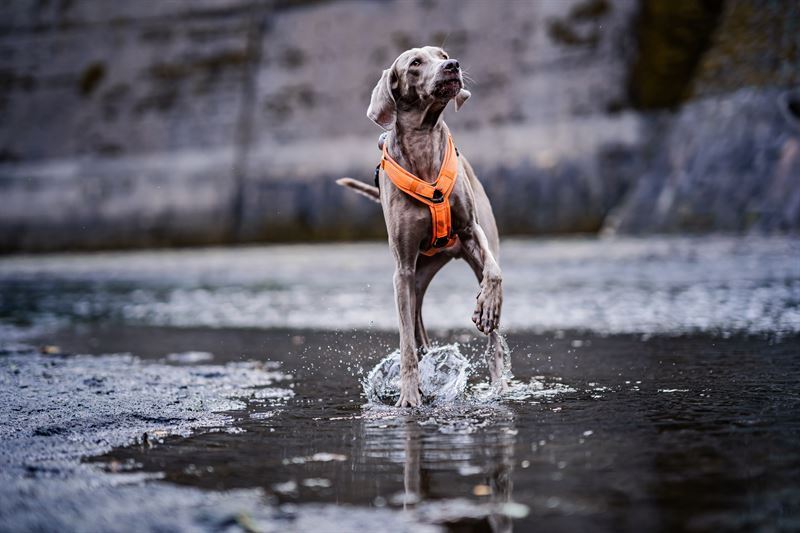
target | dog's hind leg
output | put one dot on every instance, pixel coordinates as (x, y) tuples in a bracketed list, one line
[(427, 267), (496, 360)]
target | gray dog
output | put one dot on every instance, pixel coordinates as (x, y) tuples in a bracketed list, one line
[(408, 101)]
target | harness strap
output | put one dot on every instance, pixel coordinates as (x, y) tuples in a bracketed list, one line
[(435, 195)]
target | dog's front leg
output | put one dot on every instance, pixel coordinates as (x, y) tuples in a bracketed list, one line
[(490, 300), (410, 395), (475, 249)]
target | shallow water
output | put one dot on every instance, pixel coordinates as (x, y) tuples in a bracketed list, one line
[(655, 388), (655, 285), (603, 433)]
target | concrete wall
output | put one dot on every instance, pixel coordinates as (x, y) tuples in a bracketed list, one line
[(203, 121), (194, 122)]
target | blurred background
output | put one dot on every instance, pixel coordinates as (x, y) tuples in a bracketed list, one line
[(194, 122), (655, 372)]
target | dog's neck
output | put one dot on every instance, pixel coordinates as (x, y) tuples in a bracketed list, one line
[(419, 140)]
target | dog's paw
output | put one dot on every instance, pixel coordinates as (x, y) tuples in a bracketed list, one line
[(487, 310), (499, 385), (410, 393), (499, 381), (414, 399)]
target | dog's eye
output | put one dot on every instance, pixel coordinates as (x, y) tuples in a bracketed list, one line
[(416, 63)]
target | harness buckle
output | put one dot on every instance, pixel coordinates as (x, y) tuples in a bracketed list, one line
[(441, 242), (437, 197)]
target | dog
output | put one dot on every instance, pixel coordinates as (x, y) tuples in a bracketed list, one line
[(408, 102)]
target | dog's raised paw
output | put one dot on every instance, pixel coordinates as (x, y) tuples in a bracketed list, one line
[(487, 310)]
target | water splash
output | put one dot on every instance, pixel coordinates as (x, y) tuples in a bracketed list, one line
[(537, 389), (508, 376), (443, 376), (443, 380)]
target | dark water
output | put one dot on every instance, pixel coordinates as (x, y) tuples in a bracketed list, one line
[(618, 433)]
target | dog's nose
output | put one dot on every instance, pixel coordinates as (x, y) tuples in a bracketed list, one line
[(450, 65)]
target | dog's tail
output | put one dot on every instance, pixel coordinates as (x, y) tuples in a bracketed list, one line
[(361, 188)]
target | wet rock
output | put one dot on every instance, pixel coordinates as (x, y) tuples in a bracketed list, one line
[(89, 504), (755, 45), (728, 160), (48, 426), (726, 163), (93, 382), (52, 422)]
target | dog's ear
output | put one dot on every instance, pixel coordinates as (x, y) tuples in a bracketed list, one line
[(461, 97), (382, 107)]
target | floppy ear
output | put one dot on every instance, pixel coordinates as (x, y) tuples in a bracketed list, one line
[(461, 97), (382, 107)]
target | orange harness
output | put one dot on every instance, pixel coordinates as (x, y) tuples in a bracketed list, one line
[(435, 195)]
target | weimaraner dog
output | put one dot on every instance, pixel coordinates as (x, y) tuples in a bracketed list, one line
[(408, 102)]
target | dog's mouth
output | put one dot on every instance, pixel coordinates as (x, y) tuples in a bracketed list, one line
[(448, 87)]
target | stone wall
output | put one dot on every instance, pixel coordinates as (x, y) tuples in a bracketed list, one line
[(729, 158), (729, 163), (214, 121), (189, 122)]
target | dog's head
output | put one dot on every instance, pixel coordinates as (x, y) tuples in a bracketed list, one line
[(418, 79)]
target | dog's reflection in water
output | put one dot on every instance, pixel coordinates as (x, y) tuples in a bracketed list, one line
[(449, 458)]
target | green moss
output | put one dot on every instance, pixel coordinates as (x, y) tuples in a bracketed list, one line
[(672, 37), (757, 44)]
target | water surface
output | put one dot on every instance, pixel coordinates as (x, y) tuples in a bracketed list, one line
[(603, 433), (656, 388), (655, 285)]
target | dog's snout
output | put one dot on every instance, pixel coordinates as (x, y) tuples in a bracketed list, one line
[(450, 65)]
